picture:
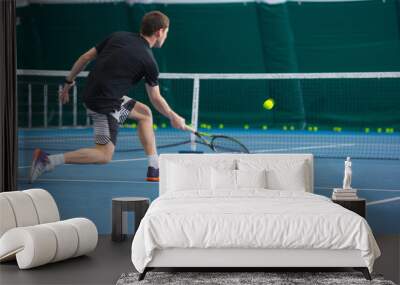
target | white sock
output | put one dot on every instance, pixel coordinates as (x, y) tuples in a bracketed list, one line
[(153, 160), (55, 160)]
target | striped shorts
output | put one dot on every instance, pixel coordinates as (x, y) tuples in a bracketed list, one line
[(106, 126)]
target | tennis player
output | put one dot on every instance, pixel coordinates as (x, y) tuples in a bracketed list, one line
[(122, 60)]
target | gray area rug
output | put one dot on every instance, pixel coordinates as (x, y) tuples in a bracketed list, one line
[(243, 278)]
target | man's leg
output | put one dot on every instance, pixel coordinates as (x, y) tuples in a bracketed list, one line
[(105, 129), (97, 154), (105, 136), (142, 114)]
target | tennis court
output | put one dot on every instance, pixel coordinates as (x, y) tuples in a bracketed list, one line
[(87, 190), (321, 144)]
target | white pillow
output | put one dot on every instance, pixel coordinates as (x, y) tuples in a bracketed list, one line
[(227, 179), (282, 174), (290, 176), (184, 177), (223, 179), (251, 178)]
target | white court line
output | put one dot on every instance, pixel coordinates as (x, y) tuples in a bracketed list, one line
[(361, 189), (91, 181), (128, 159), (306, 147), (113, 161), (383, 201)]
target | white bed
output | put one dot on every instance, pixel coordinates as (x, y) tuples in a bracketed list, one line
[(240, 210)]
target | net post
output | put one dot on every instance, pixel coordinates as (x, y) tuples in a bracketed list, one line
[(195, 110), (60, 108), (45, 90), (29, 105), (74, 112)]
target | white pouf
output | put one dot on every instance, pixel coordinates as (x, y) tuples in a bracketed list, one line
[(31, 232)]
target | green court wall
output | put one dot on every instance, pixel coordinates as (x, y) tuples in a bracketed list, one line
[(359, 36)]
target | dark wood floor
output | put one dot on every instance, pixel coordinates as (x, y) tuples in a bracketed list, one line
[(110, 259), (103, 266)]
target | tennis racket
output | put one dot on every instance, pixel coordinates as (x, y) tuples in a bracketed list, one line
[(219, 143)]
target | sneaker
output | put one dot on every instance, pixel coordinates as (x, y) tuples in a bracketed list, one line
[(153, 174), (40, 164)]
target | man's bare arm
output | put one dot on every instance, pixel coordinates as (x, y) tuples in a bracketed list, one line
[(78, 66), (158, 101), (162, 106), (81, 63)]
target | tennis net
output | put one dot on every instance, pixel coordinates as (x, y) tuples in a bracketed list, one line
[(327, 114)]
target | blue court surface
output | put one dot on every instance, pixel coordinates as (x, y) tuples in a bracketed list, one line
[(87, 190)]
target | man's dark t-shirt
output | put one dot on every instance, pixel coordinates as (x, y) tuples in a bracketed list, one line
[(122, 60)]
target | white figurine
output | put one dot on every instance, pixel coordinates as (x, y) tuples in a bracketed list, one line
[(347, 174)]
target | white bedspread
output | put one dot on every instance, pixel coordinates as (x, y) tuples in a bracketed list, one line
[(250, 219)]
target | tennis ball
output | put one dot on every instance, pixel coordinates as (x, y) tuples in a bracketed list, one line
[(269, 104), (367, 130), (264, 127), (163, 125), (246, 126), (221, 126)]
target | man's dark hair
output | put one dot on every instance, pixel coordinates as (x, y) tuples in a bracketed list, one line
[(152, 22)]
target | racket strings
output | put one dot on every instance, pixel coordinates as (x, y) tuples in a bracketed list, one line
[(227, 144)]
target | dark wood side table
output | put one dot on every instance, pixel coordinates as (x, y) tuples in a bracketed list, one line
[(358, 206), (120, 207)]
